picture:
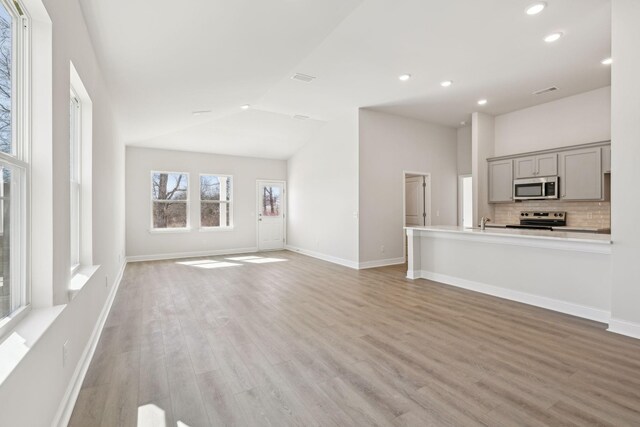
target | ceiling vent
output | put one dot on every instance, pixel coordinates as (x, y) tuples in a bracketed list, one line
[(303, 77), (547, 90), (300, 117)]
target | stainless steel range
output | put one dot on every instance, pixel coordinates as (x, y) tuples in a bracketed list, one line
[(537, 220)]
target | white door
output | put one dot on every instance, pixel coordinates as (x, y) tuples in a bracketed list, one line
[(416, 212), (271, 205)]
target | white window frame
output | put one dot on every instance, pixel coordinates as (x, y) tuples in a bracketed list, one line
[(229, 202), (19, 162), (153, 229), (75, 181)]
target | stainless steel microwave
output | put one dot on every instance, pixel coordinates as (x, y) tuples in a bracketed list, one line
[(536, 188)]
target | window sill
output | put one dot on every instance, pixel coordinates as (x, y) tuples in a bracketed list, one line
[(15, 346), (83, 274), (215, 229), (169, 230)]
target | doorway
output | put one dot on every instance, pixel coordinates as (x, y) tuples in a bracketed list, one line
[(417, 202), (271, 215), (465, 201)]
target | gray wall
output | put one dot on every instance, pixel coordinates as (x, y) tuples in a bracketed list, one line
[(389, 145), (245, 170)]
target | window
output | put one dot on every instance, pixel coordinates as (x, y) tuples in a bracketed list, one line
[(271, 196), (14, 167), (216, 208), (75, 194), (170, 199)]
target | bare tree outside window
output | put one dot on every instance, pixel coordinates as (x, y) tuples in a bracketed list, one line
[(170, 197), (271, 201), (215, 201), (6, 42)]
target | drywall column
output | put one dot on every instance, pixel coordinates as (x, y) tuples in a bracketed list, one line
[(625, 152), (482, 144)]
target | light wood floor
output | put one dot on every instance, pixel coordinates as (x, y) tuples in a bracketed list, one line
[(305, 342)]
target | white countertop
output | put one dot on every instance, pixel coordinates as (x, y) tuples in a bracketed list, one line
[(604, 239)]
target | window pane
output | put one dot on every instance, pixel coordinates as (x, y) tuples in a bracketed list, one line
[(6, 86), (214, 187), (5, 242), (170, 186), (169, 214), (271, 196), (214, 214)]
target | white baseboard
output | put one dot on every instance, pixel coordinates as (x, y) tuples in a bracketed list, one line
[(586, 312), (324, 257), (176, 255), (381, 263), (63, 415), (624, 327)]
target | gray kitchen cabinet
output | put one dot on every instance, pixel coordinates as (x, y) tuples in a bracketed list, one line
[(534, 166), (500, 181), (606, 159), (581, 174)]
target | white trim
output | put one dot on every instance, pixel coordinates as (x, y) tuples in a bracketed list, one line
[(586, 312), (381, 263), (177, 255), (65, 409), (324, 257), (624, 327)]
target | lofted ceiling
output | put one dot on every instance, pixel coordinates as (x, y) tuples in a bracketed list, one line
[(163, 62)]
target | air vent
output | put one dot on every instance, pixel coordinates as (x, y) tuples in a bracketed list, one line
[(303, 77), (547, 90), (300, 117)]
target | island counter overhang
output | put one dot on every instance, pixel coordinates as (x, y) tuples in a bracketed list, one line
[(565, 272)]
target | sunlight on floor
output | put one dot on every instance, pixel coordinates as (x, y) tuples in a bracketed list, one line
[(151, 416), (210, 263)]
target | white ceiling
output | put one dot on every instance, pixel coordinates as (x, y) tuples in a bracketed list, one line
[(162, 62)]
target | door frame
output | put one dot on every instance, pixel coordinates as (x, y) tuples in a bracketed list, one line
[(461, 178), (427, 199), (283, 206)]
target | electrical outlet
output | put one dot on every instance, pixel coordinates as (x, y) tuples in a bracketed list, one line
[(65, 353), (382, 248), (437, 213), (106, 281)]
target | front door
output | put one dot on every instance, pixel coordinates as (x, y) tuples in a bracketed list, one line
[(271, 206)]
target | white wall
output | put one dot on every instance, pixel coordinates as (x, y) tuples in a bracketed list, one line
[(464, 150), (142, 243), (31, 395), (323, 193), (390, 145), (625, 153), (482, 147), (573, 120)]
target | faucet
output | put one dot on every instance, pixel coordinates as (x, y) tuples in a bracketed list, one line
[(483, 222)]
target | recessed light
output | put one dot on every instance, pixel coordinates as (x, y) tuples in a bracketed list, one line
[(446, 83), (404, 77), (606, 61), (535, 8), (482, 102), (201, 112), (553, 37), (245, 106)]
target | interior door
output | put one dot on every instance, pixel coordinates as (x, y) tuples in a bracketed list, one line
[(271, 206), (415, 206)]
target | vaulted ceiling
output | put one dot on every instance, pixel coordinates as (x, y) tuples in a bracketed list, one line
[(163, 60)]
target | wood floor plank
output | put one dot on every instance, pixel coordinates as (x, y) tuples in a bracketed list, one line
[(305, 342)]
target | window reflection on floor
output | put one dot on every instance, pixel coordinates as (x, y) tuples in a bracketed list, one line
[(238, 261)]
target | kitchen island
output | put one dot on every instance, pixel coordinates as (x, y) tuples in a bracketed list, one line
[(568, 272)]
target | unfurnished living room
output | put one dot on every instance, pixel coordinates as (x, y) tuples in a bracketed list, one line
[(319, 213)]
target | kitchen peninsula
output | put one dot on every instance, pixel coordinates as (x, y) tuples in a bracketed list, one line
[(563, 271)]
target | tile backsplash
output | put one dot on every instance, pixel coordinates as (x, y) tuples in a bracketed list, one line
[(579, 214)]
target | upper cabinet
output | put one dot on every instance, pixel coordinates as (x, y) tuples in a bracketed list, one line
[(534, 166), (500, 181), (581, 174), (606, 159)]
